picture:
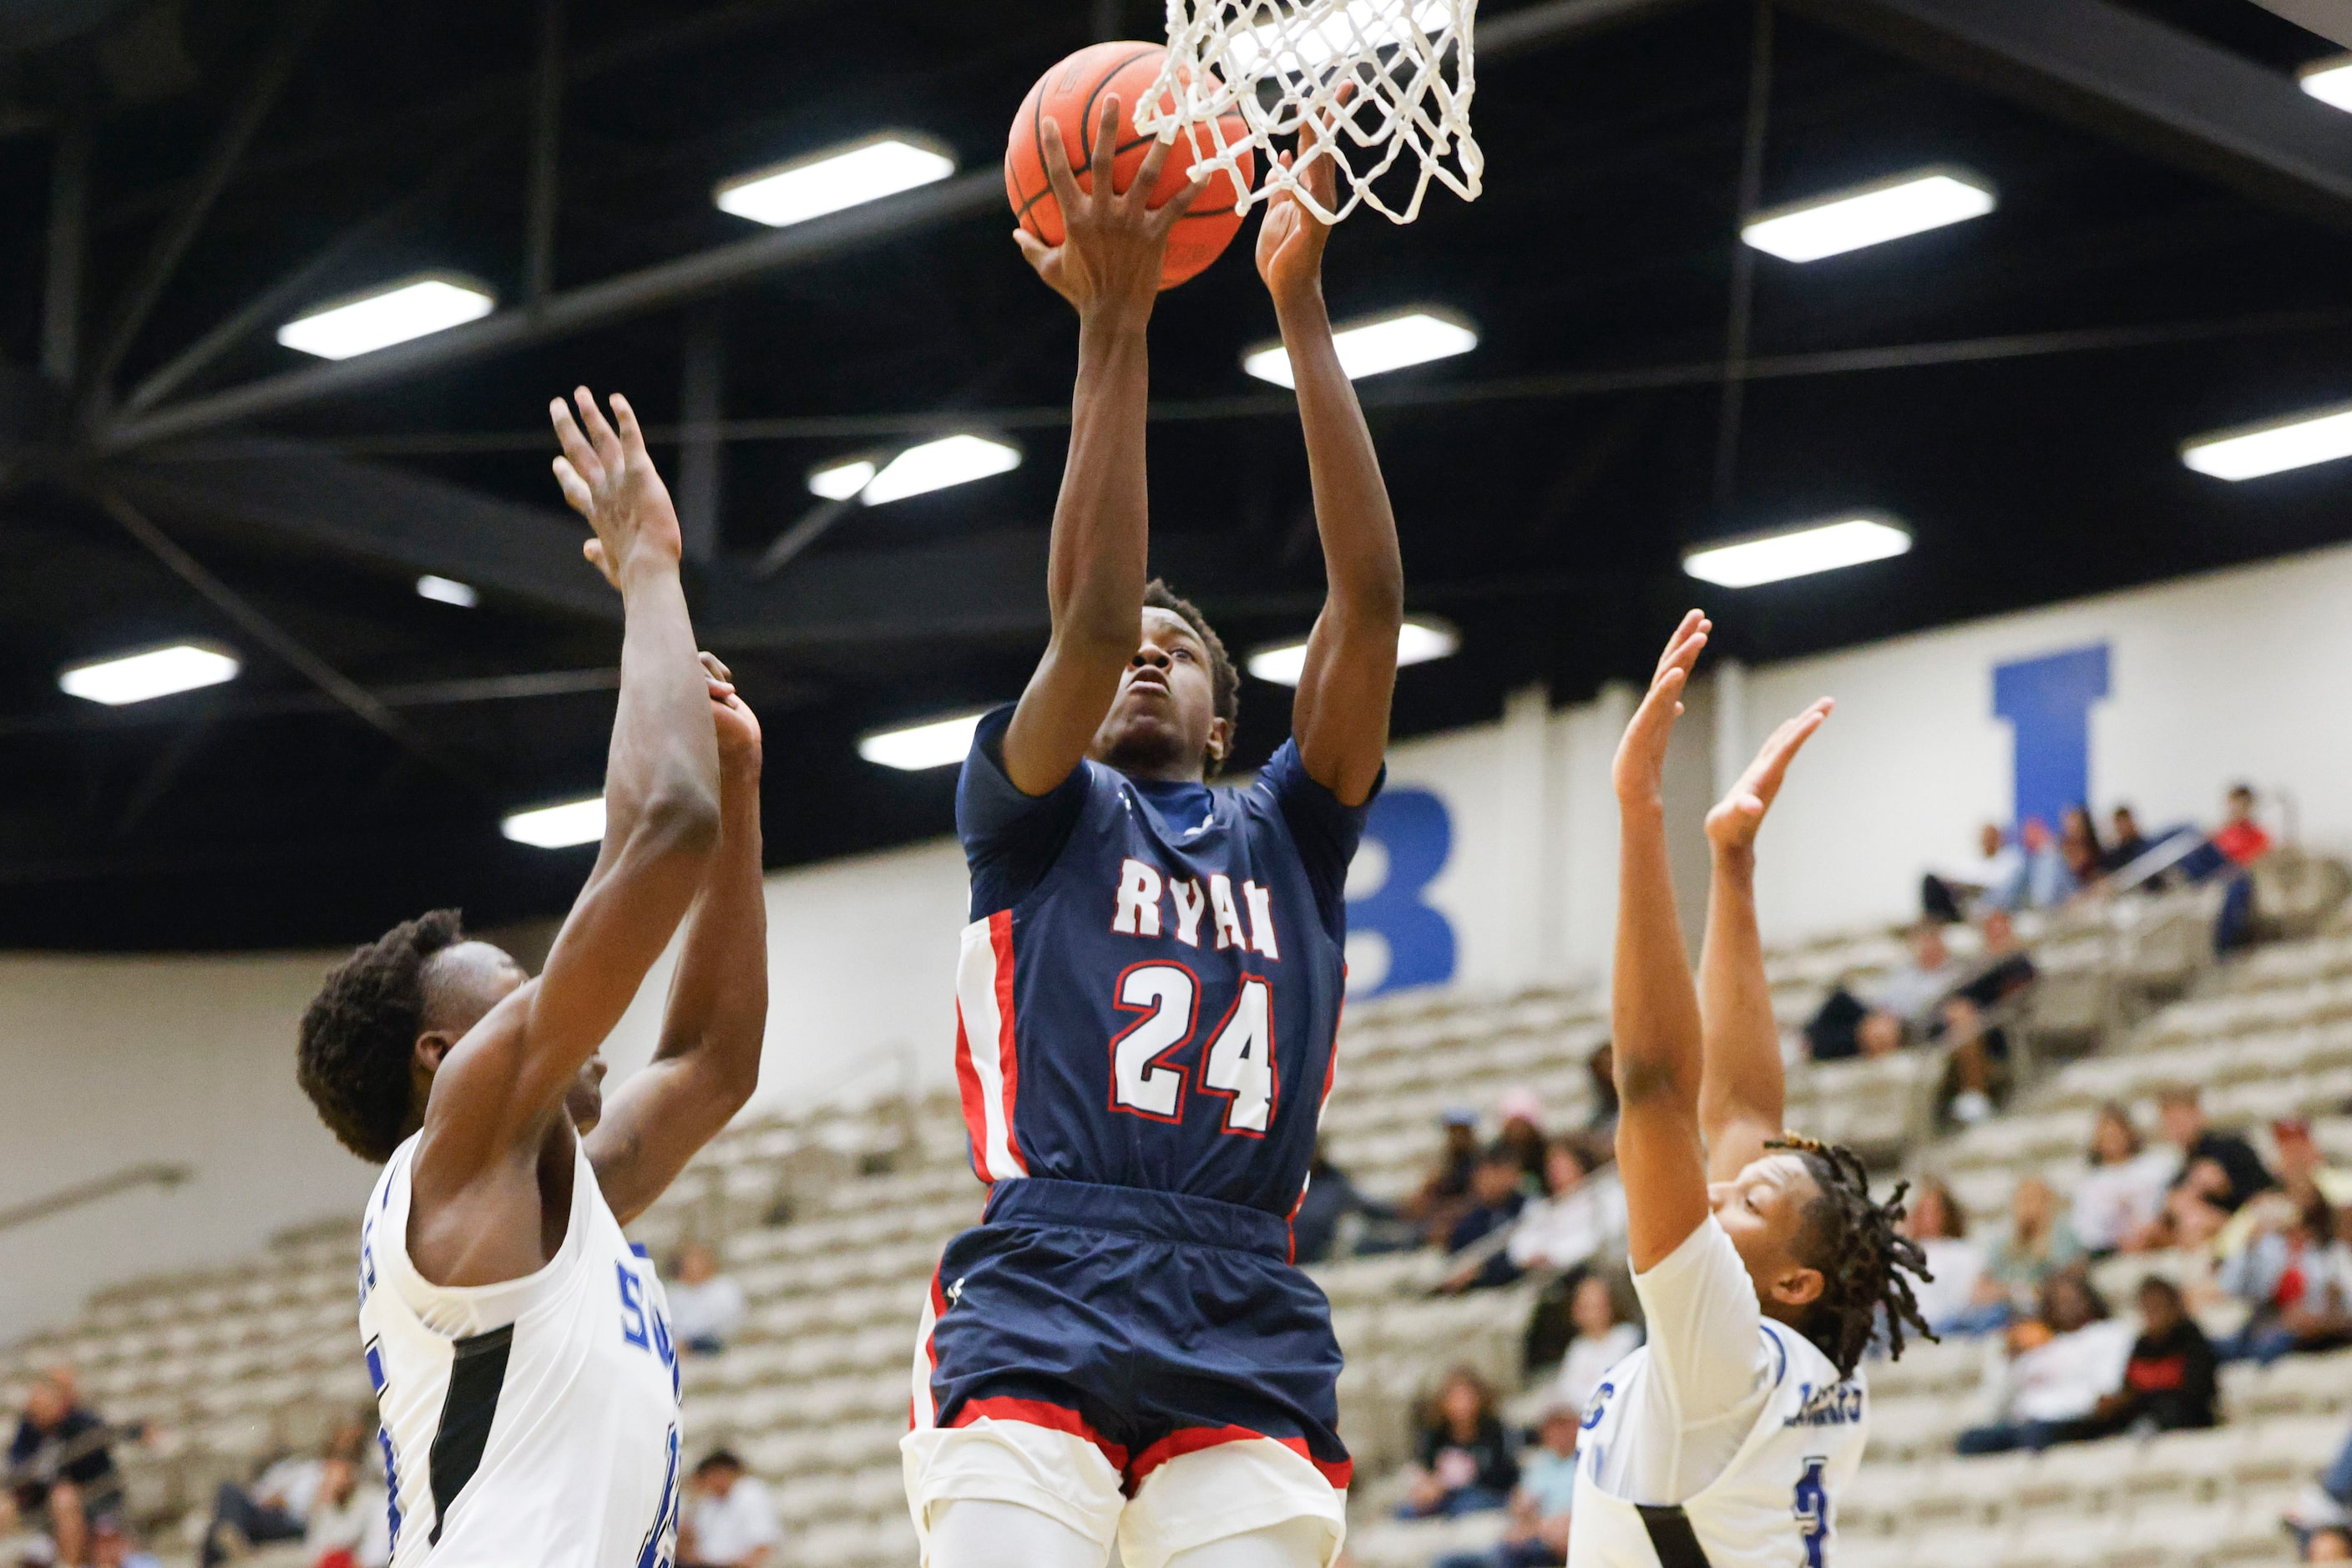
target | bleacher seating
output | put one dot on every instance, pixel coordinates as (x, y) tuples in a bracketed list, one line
[(833, 1221)]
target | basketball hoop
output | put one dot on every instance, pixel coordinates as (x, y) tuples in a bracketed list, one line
[(1282, 65)]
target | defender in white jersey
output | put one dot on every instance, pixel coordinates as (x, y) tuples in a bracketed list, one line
[(1763, 1263), (519, 1349)]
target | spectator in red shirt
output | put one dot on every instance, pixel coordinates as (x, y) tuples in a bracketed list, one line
[(2170, 1382), (2240, 838)]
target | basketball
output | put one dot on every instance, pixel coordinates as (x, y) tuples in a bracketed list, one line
[(1073, 92)]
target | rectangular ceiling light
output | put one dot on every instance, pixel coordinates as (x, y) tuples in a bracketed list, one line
[(2329, 80), (1869, 215), (1378, 346), (558, 827), (447, 591), (1419, 640), (936, 465), (840, 482), (416, 308), (932, 745), (1797, 552), (835, 178), (125, 678), (2274, 446)]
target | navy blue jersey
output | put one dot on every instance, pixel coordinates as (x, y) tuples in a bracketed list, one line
[(1149, 991)]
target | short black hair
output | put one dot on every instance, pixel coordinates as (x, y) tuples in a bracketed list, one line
[(1222, 677), (1858, 1245), (719, 1460), (359, 1034)]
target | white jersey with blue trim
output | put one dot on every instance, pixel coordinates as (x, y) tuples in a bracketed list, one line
[(528, 1424), (1742, 1422)]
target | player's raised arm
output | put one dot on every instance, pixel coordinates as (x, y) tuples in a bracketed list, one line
[(1744, 1090), (1341, 715), (708, 1060), (1653, 1004), (494, 1090), (1107, 267)]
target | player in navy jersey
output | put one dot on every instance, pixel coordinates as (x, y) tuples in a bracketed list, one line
[(1147, 996)]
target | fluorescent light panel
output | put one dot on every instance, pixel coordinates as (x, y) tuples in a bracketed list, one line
[(2329, 80), (1797, 552), (447, 591), (1419, 640), (126, 678), (936, 465), (840, 482), (932, 745), (839, 177), (413, 309), (1869, 215), (1377, 346), (558, 827), (2250, 451)]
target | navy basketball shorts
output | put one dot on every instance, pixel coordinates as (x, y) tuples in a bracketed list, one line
[(1138, 1365)]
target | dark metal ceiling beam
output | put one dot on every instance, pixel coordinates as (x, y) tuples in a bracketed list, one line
[(2129, 77), (665, 284), (1559, 22)]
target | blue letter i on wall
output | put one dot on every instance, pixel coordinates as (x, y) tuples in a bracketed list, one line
[(2047, 702)]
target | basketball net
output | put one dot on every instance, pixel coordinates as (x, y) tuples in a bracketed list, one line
[(1280, 67)]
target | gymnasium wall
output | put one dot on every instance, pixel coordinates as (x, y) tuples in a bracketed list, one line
[(1490, 864)]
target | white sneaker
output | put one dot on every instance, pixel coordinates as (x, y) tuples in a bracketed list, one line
[(1970, 1106)]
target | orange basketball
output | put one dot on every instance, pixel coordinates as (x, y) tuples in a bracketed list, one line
[(1073, 92)]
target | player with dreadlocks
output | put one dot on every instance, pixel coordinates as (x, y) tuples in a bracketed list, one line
[(1761, 1260)]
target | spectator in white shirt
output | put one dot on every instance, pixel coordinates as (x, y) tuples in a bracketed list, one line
[(1913, 992), (2122, 1192), (2060, 1366), (705, 1306), (1941, 1227), (731, 1519), (1580, 1215), (1603, 1338), (351, 1525)]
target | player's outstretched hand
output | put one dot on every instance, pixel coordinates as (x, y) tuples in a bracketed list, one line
[(1290, 237), (609, 478), (1640, 770), (737, 726), (1109, 262), (1732, 825)]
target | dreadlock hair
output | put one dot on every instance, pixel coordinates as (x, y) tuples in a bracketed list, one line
[(359, 1034), (1860, 1252), (1223, 679)]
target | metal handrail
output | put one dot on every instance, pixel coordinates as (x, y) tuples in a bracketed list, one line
[(127, 1179)]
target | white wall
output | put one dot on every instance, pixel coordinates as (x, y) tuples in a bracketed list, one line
[(108, 1062)]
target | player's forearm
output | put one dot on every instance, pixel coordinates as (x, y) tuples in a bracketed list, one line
[(1743, 1079), (1652, 1005), (1361, 563), (719, 1002), (1101, 521), (661, 771)]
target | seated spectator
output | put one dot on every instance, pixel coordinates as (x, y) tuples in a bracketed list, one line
[(1946, 897), (112, 1545), (2037, 1245), (2079, 846), (60, 1464), (1580, 1215), (1955, 1264), (1462, 1456), (277, 1506), (350, 1521), (2122, 1195), (2169, 1384), (1520, 1111), (1600, 1067), (1444, 1193), (730, 1521), (2125, 842), (2060, 1363), (2181, 1111), (1537, 1535), (1331, 1196), (2239, 836), (1477, 1237), (705, 1306), (2302, 1168), (1877, 1020), (1979, 1074), (2297, 1276), (1603, 1338), (1914, 992)]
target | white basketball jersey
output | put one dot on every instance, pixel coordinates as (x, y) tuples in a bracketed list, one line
[(1758, 1476), (531, 1423)]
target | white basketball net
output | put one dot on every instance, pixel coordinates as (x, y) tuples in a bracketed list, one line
[(1280, 66)]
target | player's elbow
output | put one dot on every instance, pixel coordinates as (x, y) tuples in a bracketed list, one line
[(1641, 1082), (677, 821)]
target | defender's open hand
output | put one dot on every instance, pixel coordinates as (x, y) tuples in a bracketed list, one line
[(1113, 241), (610, 479), (1290, 238), (1638, 771), (1732, 825), (737, 726)]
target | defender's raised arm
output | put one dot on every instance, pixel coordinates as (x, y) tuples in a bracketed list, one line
[(1107, 267)]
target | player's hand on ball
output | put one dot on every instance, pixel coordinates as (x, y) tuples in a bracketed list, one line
[(1732, 824), (737, 726), (609, 478), (1639, 772), (1113, 241)]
